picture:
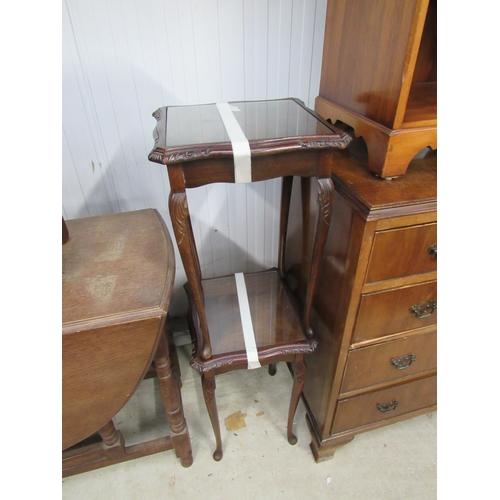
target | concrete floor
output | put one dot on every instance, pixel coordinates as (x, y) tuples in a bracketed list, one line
[(397, 461)]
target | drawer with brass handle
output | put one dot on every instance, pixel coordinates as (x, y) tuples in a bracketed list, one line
[(424, 310), (403, 362), (366, 409), (390, 361), (396, 310), (403, 252), (388, 407)]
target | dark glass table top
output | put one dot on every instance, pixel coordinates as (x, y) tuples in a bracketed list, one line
[(258, 119), (285, 123)]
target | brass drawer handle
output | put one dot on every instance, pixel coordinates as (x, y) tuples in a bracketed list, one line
[(403, 362), (433, 250), (424, 310), (388, 407)]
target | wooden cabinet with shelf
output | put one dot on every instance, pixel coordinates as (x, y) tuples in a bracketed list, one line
[(375, 310), (379, 76)]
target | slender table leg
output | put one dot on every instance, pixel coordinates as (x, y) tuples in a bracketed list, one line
[(172, 402), (208, 384), (299, 377)]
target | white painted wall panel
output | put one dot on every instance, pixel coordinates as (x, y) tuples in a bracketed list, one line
[(122, 59)]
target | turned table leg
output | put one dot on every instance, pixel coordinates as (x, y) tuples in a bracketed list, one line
[(174, 359), (172, 402), (108, 434)]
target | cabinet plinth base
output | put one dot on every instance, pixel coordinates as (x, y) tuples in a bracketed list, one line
[(320, 450), (324, 449), (389, 151)]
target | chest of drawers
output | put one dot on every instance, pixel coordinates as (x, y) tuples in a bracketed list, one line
[(375, 311)]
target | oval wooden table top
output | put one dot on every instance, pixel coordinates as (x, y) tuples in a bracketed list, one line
[(117, 280)]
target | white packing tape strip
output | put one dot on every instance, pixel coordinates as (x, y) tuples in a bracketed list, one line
[(239, 143), (246, 322)]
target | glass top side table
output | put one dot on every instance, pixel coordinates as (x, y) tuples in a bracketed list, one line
[(253, 319)]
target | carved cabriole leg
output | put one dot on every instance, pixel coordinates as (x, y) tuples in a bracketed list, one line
[(181, 222), (208, 383), (325, 206), (286, 193), (299, 377), (108, 434), (172, 403), (305, 196)]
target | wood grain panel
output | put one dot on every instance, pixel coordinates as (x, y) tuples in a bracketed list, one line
[(109, 362), (123, 273), (372, 365), (386, 261), (354, 74), (362, 410), (384, 313)]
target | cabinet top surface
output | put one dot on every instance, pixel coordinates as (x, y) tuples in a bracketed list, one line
[(113, 266), (184, 133), (352, 177)]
